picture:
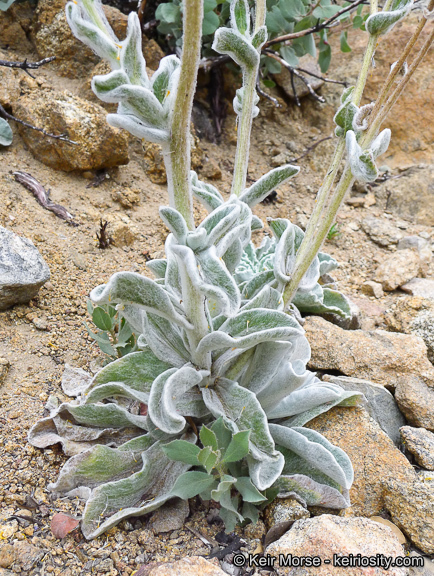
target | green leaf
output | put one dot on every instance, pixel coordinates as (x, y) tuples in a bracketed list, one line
[(235, 45), (4, 5), (222, 433), (248, 491), (260, 37), (182, 451), (324, 57), (131, 56), (208, 437), (240, 16), (269, 83), (210, 23), (238, 447), (323, 12), (191, 484), (267, 183), (288, 54), (6, 135), (207, 458), (101, 319), (344, 44), (168, 12), (225, 485)]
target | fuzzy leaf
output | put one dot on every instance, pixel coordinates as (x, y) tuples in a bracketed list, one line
[(175, 222), (222, 433), (323, 301), (134, 289), (383, 22), (161, 78), (313, 493), (131, 56), (166, 390), (158, 267), (208, 438), (240, 16), (260, 37), (231, 42), (206, 193), (267, 183), (208, 458)]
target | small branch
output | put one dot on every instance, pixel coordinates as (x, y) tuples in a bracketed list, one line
[(294, 71), (8, 116), (329, 80), (43, 196), (265, 95), (297, 100), (317, 28), (141, 11), (26, 66)]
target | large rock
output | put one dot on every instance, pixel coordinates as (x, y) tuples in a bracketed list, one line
[(413, 316), (380, 405), (186, 567), (381, 232), (423, 287), (22, 269), (9, 83), (378, 356), (15, 25), (411, 505), (374, 457), (398, 269), (411, 195), (98, 145), (330, 538), (420, 443), (415, 398)]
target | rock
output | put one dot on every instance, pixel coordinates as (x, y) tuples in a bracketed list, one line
[(425, 568), (152, 52), (52, 35), (9, 83), (416, 400), (40, 323), (419, 245), (381, 232), (423, 287), (284, 510), (376, 355), (211, 169), (330, 537), (410, 196), (374, 457), (380, 405), (411, 506), (187, 567), (105, 566), (26, 556), (22, 269), (413, 316), (402, 539), (420, 443), (4, 369), (127, 197), (283, 79), (7, 555), (122, 233), (372, 289), (14, 27), (398, 269), (62, 524), (98, 145), (170, 517)]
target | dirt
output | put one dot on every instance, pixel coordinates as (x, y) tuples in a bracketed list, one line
[(37, 357)]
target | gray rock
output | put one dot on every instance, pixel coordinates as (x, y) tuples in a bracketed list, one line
[(170, 517), (372, 289), (423, 287), (381, 232), (421, 246), (326, 536), (4, 369), (427, 568), (423, 326), (22, 269), (381, 405), (420, 443), (411, 505)]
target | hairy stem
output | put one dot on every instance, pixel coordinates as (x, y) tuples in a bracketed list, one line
[(179, 155), (245, 125)]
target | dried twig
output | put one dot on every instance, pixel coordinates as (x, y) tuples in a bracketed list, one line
[(26, 66), (100, 177), (141, 10), (103, 237), (43, 196), (8, 116), (265, 95)]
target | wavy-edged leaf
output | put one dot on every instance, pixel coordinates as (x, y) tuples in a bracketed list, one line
[(326, 263), (267, 183), (207, 194), (158, 267), (138, 128), (166, 390), (250, 328), (175, 222), (137, 101), (264, 365), (161, 78), (383, 22), (323, 301), (317, 451), (312, 492), (141, 493), (134, 289), (165, 340)]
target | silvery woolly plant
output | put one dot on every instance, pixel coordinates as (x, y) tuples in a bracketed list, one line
[(215, 398)]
